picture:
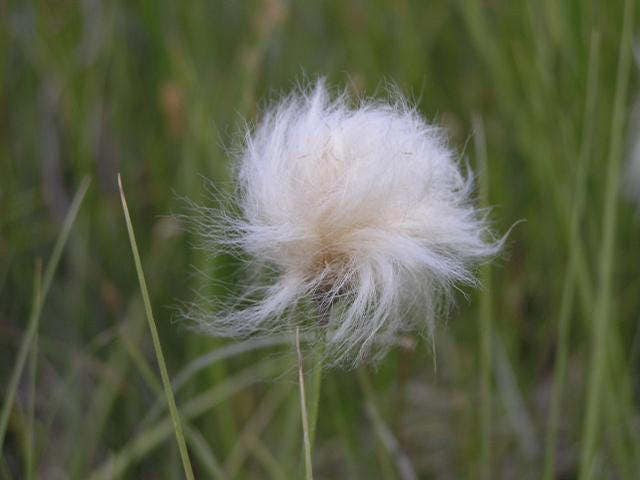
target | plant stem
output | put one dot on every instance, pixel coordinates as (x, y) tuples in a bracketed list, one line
[(568, 289), (184, 454), (602, 309)]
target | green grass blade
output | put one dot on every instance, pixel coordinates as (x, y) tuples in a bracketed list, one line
[(36, 310), (569, 286), (602, 311), (184, 454)]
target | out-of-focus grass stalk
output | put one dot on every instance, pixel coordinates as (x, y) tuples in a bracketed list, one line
[(104, 396), (4, 469), (289, 447), (385, 463), (30, 467), (266, 458), (150, 438), (349, 441), (139, 360), (602, 310), (200, 447), (473, 13), (208, 359), (485, 320), (303, 409), (204, 453), (184, 454), (58, 399), (402, 463), (506, 88), (252, 430), (36, 309), (570, 279)]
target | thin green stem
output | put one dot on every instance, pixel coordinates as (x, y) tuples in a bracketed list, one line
[(184, 454), (602, 310)]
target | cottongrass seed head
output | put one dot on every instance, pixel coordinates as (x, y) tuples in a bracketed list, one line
[(355, 219)]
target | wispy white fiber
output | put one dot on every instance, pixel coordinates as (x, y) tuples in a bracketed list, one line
[(356, 220)]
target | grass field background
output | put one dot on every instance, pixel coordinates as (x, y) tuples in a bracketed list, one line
[(537, 372)]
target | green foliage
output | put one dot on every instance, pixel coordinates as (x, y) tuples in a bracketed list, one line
[(536, 373)]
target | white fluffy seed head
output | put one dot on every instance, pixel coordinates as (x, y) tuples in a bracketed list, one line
[(357, 221)]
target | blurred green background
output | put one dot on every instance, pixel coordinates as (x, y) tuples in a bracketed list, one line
[(537, 373)]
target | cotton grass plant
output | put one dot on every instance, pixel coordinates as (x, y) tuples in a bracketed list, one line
[(356, 222), (536, 377)]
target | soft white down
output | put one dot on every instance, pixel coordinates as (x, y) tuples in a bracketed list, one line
[(356, 221)]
